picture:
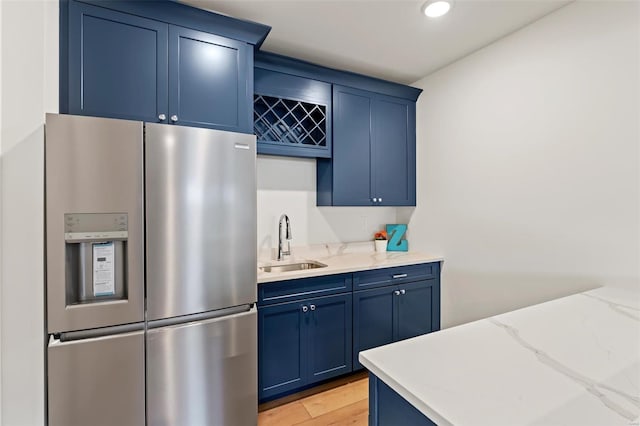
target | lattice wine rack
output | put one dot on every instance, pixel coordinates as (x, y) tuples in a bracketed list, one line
[(289, 122)]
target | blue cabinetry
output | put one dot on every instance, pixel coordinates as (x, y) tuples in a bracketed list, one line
[(292, 115), (388, 408), (351, 167), (282, 349), (303, 342), (369, 156), (307, 340), (397, 308), (393, 142), (373, 161), (329, 334), (312, 329), (209, 80), (373, 324), (125, 65), (117, 64), (415, 313)]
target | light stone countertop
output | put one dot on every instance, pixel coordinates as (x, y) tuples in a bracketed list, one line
[(570, 361), (339, 258)]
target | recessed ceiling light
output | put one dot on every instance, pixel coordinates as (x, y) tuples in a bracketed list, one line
[(435, 9)]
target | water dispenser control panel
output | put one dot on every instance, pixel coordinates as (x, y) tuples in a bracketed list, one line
[(95, 226)]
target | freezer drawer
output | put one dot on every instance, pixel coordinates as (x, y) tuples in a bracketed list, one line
[(204, 373), (200, 220), (98, 381)]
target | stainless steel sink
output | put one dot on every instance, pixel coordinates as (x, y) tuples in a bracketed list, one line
[(293, 267)]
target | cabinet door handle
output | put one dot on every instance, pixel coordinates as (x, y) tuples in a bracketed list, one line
[(305, 309), (397, 293), (380, 199), (396, 276), (313, 307), (174, 118), (375, 200), (162, 117), (402, 291)]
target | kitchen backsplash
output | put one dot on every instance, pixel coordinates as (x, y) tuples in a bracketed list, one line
[(288, 185)]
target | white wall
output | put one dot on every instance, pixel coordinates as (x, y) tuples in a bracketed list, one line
[(288, 185), (29, 87), (528, 162)]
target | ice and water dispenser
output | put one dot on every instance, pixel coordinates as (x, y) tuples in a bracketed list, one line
[(96, 257)]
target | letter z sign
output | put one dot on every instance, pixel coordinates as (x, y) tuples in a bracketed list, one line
[(395, 234)]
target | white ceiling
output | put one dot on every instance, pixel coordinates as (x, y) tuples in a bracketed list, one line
[(389, 39)]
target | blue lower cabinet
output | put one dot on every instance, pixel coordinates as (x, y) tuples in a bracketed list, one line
[(373, 325), (414, 309), (282, 348), (321, 325), (397, 312), (330, 337), (388, 408), (303, 342)]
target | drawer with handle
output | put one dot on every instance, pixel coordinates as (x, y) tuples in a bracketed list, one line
[(400, 274), (288, 290)]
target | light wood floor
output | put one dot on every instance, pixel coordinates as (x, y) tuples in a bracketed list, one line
[(347, 404)]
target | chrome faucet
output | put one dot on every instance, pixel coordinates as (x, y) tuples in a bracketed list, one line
[(281, 252)]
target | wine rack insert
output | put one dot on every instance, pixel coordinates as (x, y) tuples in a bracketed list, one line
[(289, 122)]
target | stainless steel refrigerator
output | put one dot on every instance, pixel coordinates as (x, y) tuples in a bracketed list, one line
[(151, 274)]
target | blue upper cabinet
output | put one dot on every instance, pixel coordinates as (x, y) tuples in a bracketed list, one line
[(157, 61), (118, 64), (291, 115), (374, 145), (208, 84), (393, 144), (352, 166), (298, 104)]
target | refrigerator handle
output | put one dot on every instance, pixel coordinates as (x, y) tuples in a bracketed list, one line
[(100, 332), (206, 316)]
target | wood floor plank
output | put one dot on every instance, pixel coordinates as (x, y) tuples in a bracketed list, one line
[(284, 415), (355, 414), (334, 399), (317, 389)]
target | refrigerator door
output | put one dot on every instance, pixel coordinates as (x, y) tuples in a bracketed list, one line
[(97, 381), (200, 220), (94, 204), (204, 373)]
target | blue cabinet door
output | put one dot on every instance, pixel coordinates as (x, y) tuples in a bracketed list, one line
[(414, 313), (393, 148), (329, 337), (210, 81), (117, 64), (373, 324), (374, 149), (351, 162), (282, 348)]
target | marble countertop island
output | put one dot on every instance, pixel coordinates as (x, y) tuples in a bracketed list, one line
[(570, 361), (339, 258)]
